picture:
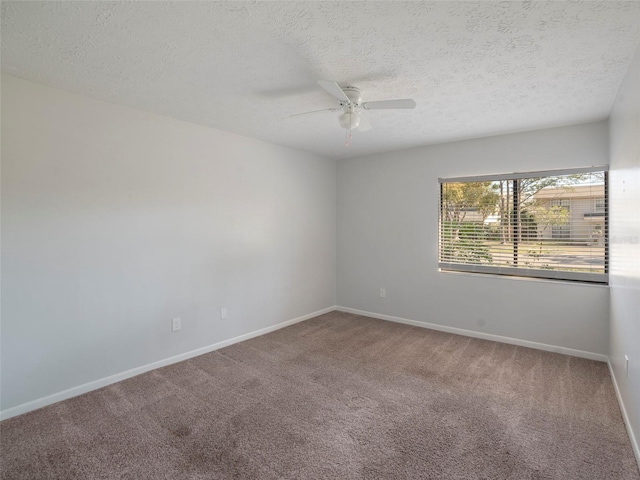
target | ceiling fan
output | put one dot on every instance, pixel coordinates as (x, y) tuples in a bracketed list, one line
[(352, 106)]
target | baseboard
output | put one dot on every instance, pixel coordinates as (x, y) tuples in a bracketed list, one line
[(625, 417), (485, 336), (103, 382)]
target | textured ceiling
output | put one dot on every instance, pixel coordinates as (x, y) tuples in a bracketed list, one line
[(474, 68)]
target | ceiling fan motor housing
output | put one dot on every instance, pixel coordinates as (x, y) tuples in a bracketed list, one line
[(354, 95)]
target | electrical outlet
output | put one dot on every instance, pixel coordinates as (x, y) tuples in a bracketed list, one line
[(383, 293), (626, 366), (176, 324), (223, 314)]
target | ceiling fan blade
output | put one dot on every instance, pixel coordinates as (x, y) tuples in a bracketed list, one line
[(364, 124), (334, 90), (388, 104), (314, 111)]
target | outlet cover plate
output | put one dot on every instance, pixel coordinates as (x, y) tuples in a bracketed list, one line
[(176, 324)]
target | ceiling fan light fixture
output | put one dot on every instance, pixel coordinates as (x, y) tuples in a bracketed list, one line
[(349, 120)]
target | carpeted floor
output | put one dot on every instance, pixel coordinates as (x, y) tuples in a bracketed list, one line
[(337, 397)]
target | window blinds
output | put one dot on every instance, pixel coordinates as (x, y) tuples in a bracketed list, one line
[(551, 224)]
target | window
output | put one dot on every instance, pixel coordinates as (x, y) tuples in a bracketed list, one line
[(550, 224)]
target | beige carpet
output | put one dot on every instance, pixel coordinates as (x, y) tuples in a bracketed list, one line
[(337, 397)]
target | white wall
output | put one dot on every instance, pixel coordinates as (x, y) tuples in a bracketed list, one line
[(624, 197), (388, 237), (115, 220)]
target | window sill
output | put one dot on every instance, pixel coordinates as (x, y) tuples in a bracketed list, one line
[(519, 278)]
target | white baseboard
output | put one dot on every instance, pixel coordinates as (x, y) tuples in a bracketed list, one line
[(625, 417), (103, 382), (485, 336)]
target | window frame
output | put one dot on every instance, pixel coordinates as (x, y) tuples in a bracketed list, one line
[(520, 271)]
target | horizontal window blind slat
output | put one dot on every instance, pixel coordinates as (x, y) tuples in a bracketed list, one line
[(521, 175)]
